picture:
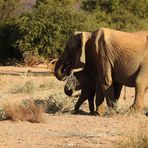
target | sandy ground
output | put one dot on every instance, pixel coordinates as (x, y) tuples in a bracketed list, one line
[(63, 129)]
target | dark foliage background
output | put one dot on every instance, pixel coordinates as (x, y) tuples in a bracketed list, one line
[(41, 27)]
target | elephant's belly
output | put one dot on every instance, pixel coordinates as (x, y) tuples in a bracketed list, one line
[(127, 76), (127, 81), (130, 82)]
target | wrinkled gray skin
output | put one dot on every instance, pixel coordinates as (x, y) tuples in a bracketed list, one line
[(108, 56), (70, 59), (81, 80)]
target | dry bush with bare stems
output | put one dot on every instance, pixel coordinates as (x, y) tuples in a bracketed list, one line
[(53, 105), (26, 111), (50, 104), (34, 60)]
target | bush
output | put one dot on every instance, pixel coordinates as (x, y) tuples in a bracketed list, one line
[(27, 111), (8, 9), (125, 15), (9, 34), (47, 28), (44, 30)]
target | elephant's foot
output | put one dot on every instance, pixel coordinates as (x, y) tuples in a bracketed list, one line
[(110, 112), (80, 112), (92, 113), (101, 111), (136, 109), (76, 112)]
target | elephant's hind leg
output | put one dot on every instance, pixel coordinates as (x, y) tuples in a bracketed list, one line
[(117, 90), (140, 88), (139, 98)]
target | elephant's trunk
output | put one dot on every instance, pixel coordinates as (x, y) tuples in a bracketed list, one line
[(68, 91), (58, 72), (62, 69)]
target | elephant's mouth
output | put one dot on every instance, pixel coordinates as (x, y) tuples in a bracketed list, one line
[(66, 69), (63, 71)]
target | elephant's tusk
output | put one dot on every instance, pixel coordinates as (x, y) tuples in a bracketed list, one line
[(77, 70)]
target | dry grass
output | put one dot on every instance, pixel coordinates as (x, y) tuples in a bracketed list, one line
[(134, 139), (27, 88), (26, 111)]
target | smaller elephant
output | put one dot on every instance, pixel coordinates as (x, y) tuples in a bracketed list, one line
[(82, 80)]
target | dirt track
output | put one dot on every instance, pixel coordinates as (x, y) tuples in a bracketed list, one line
[(69, 131), (64, 130)]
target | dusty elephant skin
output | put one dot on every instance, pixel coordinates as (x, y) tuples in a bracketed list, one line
[(71, 58), (108, 56), (82, 81)]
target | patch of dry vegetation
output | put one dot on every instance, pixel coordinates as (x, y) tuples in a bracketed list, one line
[(26, 111), (27, 88), (53, 105), (43, 91), (32, 110), (137, 138)]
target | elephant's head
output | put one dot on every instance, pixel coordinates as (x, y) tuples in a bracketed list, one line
[(73, 56), (76, 81), (72, 84)]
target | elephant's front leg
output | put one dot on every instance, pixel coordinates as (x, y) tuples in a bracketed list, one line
[(91, 96), (85, 94), (106, 82), (79, 103), (100, 107)]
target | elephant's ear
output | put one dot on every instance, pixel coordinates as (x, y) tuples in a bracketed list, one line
[(84, 37), (83, 41), (100, 41), (83, 56)]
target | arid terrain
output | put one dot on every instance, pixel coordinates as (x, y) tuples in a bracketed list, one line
[(62, 128)]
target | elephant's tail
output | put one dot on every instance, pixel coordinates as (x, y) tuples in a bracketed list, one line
[(124, 95)]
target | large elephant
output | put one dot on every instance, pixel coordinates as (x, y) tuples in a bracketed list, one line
[(109, 56), (82, 81)]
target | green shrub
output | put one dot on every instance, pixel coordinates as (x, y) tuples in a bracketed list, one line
[(44, 30), (125, 15), (47, 28)]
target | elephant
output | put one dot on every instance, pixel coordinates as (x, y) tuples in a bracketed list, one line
[(108, 56), (82, 81)]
